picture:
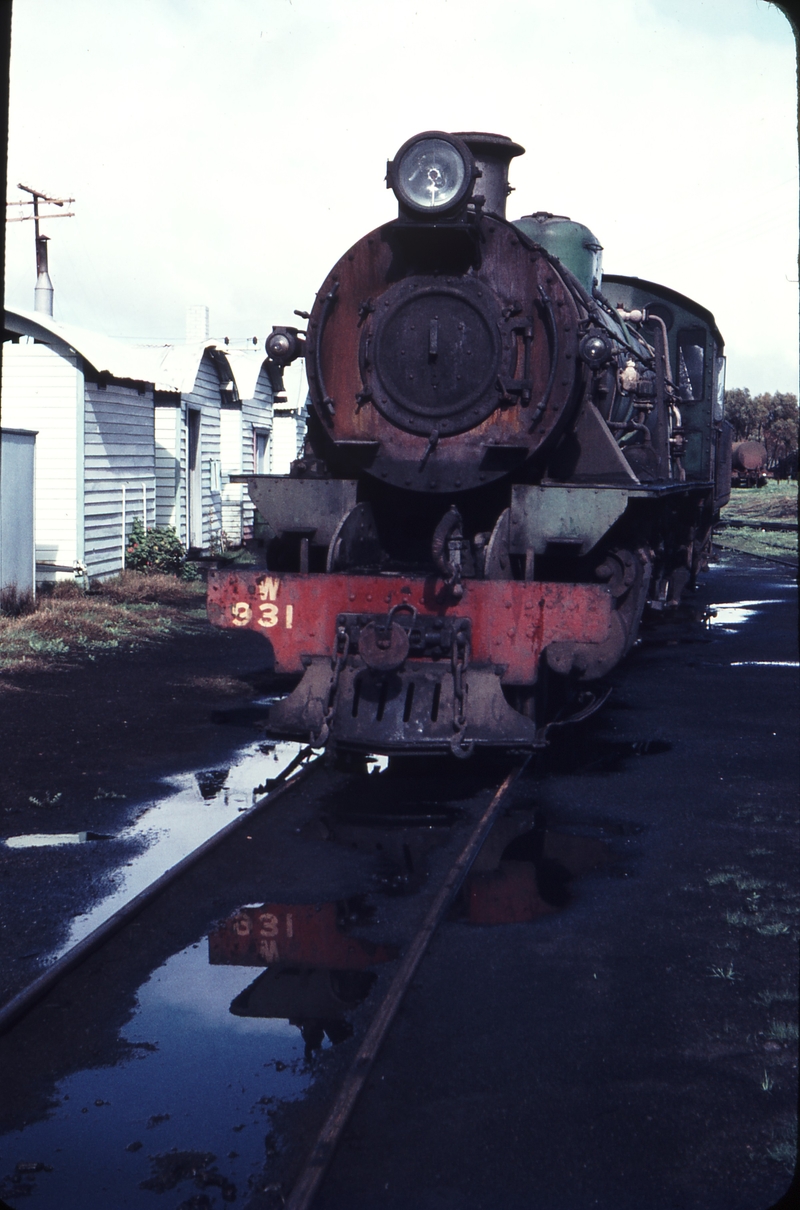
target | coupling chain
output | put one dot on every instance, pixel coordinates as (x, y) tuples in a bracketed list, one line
[(341, 651), (459, 662)]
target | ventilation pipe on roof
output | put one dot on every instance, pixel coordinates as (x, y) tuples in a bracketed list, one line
[(43, 294)]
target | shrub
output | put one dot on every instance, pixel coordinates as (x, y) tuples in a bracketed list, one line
[(66, 590), (154, 550)]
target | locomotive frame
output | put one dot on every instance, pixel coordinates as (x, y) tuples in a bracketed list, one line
[(501, 472)]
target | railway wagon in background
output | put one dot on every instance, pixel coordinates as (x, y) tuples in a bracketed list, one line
[(508, 459), (748, 464)]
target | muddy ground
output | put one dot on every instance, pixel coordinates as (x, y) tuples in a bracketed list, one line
[(86, 742), (638, 1048)]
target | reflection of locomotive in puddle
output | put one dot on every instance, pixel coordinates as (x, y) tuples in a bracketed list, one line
[(524, 870), (316, 971)]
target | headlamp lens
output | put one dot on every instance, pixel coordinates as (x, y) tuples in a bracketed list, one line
[(594, 350), (431, 174), (278, 346)]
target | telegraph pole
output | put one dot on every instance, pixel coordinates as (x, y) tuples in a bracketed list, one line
[(43, 294)]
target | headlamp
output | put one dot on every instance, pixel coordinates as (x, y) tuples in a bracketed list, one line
[(594, 349), (283, 345), (432, 174)]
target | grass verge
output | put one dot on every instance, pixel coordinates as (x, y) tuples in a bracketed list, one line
[(125, 612), (775, 502), (782, 547)]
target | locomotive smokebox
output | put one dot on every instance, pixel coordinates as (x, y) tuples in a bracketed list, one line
[(443, 348), (493, 153)]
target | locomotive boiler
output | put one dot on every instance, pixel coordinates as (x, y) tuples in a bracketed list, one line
[(509, 457)]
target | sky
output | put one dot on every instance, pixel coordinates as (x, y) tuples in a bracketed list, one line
[(228, 152)]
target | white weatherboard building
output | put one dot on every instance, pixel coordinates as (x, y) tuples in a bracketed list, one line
[(132, 431), (247, 429)]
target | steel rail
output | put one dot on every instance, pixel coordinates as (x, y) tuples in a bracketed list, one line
[(736, 550), (768, 527), (13, 1010), (316, 1164)]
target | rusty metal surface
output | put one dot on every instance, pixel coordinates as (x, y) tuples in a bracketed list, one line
[(413, 710), (628, 576), (305, 933), (424, 636), (532, 304), (512, 621)]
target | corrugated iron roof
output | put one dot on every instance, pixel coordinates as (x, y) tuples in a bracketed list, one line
[(246, 365), (166, 367)]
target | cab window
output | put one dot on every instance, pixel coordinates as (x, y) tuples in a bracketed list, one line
[(691, 363), (719, 397)]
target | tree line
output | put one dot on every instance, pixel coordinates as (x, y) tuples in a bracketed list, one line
[(771, 419)]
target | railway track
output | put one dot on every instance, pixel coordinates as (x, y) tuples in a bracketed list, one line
[(316, 1163), (133, 941), (770, 527), (585, 1049), (756, 554), (15, 1009)]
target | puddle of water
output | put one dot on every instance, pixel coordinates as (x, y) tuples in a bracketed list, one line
[(399, 843), (203, 1080), (389, 816), (598, 755), (41, 840), (212, 1053), (531, 878), (765, 664), (736, 613), (201, 804), (304, 934)]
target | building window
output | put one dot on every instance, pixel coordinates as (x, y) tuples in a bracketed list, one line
[(261, 452)]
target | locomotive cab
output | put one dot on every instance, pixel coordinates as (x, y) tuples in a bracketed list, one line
[(494, 479)]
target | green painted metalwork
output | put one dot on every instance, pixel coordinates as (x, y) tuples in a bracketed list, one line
[(580, 516), (574, 245), (701, 413)]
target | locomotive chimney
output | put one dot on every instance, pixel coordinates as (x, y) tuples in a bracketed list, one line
[(493, 153)]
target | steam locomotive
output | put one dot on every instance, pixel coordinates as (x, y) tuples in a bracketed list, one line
[(505, 465)]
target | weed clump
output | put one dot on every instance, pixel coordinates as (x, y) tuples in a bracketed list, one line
[(14, 604), (43, 646), (144, 588), (157, 550)]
